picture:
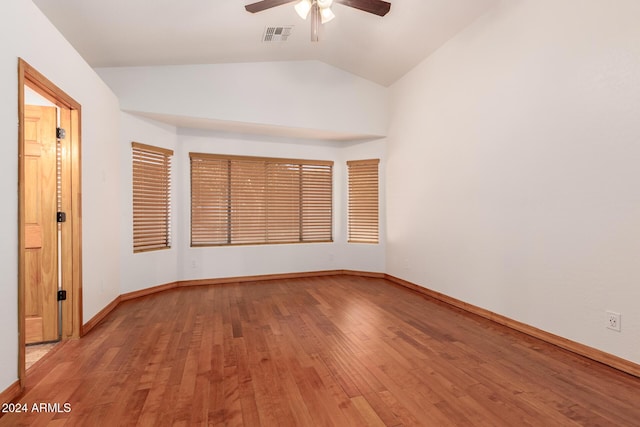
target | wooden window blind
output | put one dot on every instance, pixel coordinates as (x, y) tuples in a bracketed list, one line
[(256, 200), (363, 201), (151, 197)]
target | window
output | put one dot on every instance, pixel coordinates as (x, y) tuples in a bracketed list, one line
[(151, 197), (363, 201), (252, 200)]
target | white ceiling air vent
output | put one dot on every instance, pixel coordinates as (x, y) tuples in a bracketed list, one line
[(277, 34)]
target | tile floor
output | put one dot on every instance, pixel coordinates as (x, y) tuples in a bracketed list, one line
[(35, 352)]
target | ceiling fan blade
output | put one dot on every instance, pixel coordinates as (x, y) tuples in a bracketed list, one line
[(377, 7), (265, 4)]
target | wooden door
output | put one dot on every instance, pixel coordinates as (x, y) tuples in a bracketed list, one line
[(41, 231)]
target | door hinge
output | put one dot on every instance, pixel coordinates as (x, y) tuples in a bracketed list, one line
[(60, 133), (61, 217), (62, 295)]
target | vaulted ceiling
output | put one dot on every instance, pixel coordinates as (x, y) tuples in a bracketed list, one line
[(168, 32)]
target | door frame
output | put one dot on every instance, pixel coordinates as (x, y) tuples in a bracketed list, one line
[(71, 234)]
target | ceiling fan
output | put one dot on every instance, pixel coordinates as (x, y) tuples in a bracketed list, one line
[(320, 10)]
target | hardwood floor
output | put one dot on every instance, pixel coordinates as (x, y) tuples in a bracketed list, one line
[(335, 350)]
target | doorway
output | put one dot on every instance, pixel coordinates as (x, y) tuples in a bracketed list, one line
[(49, 281)]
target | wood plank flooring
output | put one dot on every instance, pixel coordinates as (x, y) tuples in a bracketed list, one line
[(325, 351)]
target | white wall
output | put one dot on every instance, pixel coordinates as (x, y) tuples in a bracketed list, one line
[(145, 269), (31, 97), (512, 169), (26, 33), (301, 94)]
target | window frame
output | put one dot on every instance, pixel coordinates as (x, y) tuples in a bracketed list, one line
[(363, 219), (278, 203), (151, 196)]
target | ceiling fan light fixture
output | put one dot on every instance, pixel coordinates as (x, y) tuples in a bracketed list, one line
[(324, 4), (303, 8), (326, 15)]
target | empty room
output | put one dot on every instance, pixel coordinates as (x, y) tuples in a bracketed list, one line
[(320, 212)]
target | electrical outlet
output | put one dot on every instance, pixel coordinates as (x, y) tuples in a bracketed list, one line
[(613, 321)]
